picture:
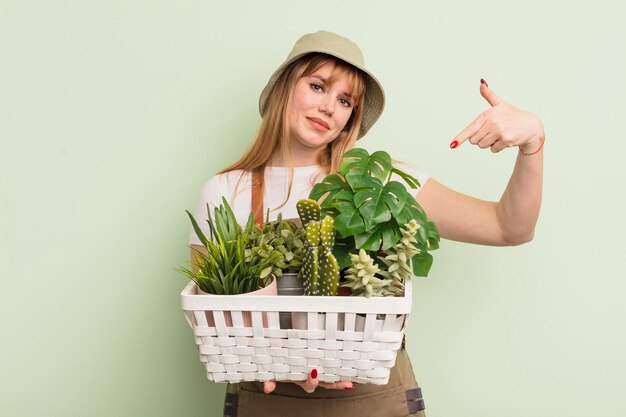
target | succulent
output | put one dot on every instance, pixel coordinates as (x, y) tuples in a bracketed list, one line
[(399, 256), (362, 280), (281, 240), (320, 269)]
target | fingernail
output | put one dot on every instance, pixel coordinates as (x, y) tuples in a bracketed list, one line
[(350, 387), (314, 373), (484, 82), (454, 144)]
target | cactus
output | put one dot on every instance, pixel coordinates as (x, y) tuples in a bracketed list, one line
[(320, 269), (308, 210)]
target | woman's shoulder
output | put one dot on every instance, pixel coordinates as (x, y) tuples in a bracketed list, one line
[(224, 183)]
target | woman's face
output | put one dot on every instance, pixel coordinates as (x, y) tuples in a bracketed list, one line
[(319, 111)]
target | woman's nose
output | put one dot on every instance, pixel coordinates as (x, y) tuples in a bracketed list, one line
[(327, 106)]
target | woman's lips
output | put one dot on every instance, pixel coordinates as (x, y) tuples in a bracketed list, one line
[(318, 124)]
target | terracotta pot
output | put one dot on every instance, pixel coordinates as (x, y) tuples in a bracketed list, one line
[(270, 289)]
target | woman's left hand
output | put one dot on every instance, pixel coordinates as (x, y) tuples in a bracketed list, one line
[(502, 126), (310, 384)]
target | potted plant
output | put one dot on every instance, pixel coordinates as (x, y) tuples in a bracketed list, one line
[(373, 234), (226, 268), (381, 230), (282, 241)]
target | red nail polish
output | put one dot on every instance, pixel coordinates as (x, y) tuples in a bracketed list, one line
[(348, 387), (484, 82), (314, 373), (454, 144)]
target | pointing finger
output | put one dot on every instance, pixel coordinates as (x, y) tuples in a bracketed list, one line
[(469, 131), (478, 136)]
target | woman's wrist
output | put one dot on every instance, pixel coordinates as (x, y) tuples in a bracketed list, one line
[(532, 147)]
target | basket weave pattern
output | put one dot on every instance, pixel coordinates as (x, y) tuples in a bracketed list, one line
[(344, 338)]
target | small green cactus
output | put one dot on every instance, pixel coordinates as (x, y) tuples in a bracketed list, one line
[(320, 269), (308, 210)]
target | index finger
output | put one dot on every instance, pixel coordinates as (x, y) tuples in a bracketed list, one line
[(469, 131)]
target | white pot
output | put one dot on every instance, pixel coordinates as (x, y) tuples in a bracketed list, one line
[(270, 289)]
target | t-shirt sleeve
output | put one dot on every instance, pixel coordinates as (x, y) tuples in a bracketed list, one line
[(419, 175), (211, 194)]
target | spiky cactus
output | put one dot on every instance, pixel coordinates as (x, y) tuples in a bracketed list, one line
[(399, 256), (362, 280), (320, 269)]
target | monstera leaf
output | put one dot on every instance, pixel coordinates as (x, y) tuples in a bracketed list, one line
[(421, 264), (332, 184), (381, 237), (369, 209), (357, 164), (349, 222), (379, 203)]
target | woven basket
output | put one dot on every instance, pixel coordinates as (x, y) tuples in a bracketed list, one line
[(345, 338)]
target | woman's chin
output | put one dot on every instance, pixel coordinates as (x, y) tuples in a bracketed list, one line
[(313, 142)]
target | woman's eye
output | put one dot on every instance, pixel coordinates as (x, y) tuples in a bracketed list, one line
[(345, 102), (317, 87)]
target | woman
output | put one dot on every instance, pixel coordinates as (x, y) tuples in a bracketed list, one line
[(315, 106)]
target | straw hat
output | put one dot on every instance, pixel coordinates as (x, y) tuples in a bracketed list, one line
[(346, 50)]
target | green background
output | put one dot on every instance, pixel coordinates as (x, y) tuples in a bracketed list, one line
[(113, 114)]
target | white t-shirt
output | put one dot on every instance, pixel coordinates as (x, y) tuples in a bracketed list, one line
[(276, 187)]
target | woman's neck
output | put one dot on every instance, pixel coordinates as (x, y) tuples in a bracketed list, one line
[(304, 159)]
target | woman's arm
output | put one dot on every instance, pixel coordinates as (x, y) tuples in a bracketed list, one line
[(512, 220)]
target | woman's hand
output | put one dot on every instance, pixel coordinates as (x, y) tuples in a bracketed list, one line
[(310, 384), (511, 220), (502, 126)]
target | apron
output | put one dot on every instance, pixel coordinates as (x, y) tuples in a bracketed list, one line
[(400, 397)]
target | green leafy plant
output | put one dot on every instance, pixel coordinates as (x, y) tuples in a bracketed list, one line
[(370, 210), (281, 240), (225, 268)]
